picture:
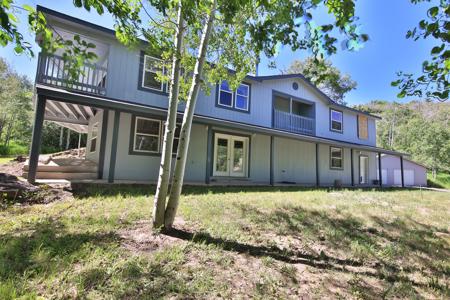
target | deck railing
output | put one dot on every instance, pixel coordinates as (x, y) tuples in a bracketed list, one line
[(53, 70), (294, 123)]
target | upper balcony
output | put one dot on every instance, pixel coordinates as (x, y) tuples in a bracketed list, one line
[(53, 70), (293, 115)]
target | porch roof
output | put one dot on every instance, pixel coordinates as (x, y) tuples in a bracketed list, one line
[(62, 95), (69, 115)]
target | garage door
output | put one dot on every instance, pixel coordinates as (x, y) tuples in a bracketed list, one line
[(408, 176)]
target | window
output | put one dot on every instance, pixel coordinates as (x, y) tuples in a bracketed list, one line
[(146, 135), (149, 73), (238, 99), (176, 138), (336, 117), (94, 134), (363, 127), (336, 159)]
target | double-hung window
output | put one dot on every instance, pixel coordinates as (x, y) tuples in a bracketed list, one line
[(239, 99), (336, 120), (146, 135), (336, 158), (152, 66), (94, 134)]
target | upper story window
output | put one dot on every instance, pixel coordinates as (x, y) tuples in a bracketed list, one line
[(336, 120), (363, 127), (239, 99), (336, 158), (146, 135), (150, 70)]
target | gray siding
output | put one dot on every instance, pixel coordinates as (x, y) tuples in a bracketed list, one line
[(390, 163), (94, 156)]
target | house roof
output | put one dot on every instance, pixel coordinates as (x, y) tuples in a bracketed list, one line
[(251, 77), (408, 160)]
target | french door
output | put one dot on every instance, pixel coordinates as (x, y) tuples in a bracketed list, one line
[(363, 169), (230, 155)]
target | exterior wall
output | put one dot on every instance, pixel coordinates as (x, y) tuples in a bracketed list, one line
[(294, 161), (146, 167), (391, 163)]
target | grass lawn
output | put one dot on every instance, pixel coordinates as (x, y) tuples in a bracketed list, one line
[(263, 243), (442, 180), (5, 159)]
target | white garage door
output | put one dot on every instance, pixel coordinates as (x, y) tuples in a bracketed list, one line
[(408, 176)]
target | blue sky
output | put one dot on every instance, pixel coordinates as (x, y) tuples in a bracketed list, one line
[(373, 67)]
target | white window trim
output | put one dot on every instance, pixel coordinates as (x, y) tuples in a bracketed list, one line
[(147, 70), (146, 134), (93, 138), (233, 98), (229, 92), (248, 97), (341, 121), (176, 138), (341, 158)]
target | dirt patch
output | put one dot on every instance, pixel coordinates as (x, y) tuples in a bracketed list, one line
[(13, 168), (141, 239)]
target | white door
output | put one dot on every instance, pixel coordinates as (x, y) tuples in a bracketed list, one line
[(384, 176), (363, 169), (230, 155), (408, 176)]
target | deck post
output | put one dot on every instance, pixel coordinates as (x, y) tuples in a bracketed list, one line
[(115, 138), (401, 170), (317, 166), (103, 133), (272, 146), (380, 173), (36, 139), (352, 171), (68, 139), (209, 154)]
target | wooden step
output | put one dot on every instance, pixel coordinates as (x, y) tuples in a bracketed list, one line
[(65, 165), (64, 175)]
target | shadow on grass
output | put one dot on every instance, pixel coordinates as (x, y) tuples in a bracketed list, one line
[(390, 252), (86, 190)]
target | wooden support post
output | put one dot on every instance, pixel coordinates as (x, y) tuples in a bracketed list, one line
[(103, 133), (68, 139), (61, 137), (352, 171), (36, 139), (209, 154), (401, 170), (115, 137), (79, 144), (380, 173), (317, 166), (272, 149)]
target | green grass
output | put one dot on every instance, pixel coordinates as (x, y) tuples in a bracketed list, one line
[(13, 149), (5, 159), (267, 243), (442, 180)]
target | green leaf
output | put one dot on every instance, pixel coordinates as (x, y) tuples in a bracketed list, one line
[(432, 12)]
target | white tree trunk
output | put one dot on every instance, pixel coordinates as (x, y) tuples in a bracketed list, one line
[(185, 133), (166, 157)]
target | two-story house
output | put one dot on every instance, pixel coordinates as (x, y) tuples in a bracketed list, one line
[(271, 130)]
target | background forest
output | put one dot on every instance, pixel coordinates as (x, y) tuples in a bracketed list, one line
[(16, 117)]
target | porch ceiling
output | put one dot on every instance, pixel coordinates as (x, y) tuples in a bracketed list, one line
[(69, 115)]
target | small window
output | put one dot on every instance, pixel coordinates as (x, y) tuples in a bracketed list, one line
[(242, 93), (225, 95), (176, 138), (150, 70), (363, 127), (146, 135), (336, 117), (94, 134), (238, 99), (336, 160)]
